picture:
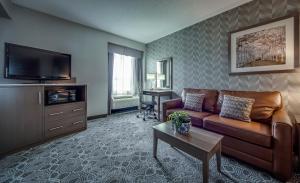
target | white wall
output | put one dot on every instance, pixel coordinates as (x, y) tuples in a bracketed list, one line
[(87, 46)]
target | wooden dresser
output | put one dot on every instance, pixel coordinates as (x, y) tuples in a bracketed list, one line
[(27, 119)]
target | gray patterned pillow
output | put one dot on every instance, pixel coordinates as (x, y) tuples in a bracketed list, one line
[(194, 102), (237, 108)]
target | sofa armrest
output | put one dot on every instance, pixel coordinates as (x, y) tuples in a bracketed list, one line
[(283, 134), (171, 104), (297, 134)]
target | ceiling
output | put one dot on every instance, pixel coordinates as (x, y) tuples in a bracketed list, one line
[(140, 20)]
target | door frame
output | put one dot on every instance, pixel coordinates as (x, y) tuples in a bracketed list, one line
[(110, 76)]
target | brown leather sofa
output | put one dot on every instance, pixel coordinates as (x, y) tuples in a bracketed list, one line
[(266, 142)]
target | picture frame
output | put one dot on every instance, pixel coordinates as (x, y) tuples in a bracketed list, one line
[(267, 47)]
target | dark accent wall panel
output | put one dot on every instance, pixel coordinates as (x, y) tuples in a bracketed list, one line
[(200, 53)]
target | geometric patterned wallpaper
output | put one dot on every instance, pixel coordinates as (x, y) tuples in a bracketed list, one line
[(200, 53)]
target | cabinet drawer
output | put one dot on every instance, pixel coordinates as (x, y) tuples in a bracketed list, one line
[(64, 111), (77, 108), (62, 126), (76, 123), (56, 130), (147, 93), (54, 124)]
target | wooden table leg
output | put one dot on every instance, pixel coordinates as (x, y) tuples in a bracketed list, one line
[(205, 170), (158, 107), (154, 144), (219, 159), (153, 98)]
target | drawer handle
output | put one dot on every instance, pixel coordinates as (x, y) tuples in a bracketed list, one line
[(75, 123), (55, 114), (56, 128), (79, 109)]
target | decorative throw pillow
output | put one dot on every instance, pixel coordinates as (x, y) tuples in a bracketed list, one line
[(194, 102), (237, 108)]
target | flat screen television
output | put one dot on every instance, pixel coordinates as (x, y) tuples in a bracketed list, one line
[(22, 62)]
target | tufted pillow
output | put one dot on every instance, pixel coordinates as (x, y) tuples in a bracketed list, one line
[(194, 102), (237, 108)]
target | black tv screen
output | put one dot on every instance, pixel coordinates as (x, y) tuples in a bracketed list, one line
[(22, 62)]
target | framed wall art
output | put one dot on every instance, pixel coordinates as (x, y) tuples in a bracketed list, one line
[(267, 47)]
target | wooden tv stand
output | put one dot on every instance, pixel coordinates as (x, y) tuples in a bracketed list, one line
[(26, 119)]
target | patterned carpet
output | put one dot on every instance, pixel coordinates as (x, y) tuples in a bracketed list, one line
[(117, 149)]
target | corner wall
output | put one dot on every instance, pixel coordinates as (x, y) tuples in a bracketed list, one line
[(200, 53), (87, 46), (5, 6)]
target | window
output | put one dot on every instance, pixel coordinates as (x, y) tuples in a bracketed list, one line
[(123, 75)]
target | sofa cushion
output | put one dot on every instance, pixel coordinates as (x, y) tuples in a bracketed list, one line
[(264, 106), (210, 99), (194, 102), (254, 132), (237, 108), (255, 150), (196, 117)]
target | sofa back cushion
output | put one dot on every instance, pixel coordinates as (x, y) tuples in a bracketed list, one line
[(264, 106), (210, 99)]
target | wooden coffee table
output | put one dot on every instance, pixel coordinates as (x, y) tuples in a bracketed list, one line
[(199, 143)]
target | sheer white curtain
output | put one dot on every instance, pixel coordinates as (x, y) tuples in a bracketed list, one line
[(124, 75)]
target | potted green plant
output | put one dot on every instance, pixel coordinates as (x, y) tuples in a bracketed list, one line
[(180, 121)]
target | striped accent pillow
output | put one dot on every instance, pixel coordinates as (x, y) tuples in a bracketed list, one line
[(237, 108), (194, 102)]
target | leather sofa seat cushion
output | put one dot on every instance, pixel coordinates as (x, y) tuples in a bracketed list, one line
[(264, 106), (210, 99), (253, 132), (257, 151), (196, 117)]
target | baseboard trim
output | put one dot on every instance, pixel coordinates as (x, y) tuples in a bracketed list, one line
[(97, 116), (127, 109)]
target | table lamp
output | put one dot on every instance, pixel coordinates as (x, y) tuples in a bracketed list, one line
[(161, 77), (152, 78)]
